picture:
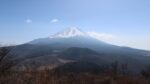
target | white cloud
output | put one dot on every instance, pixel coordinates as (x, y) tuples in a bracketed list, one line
[(6, 44), (109, 38), (101, 36), (28, 21), (54, 20)]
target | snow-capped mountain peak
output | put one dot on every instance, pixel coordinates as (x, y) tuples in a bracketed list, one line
[(69, 32)]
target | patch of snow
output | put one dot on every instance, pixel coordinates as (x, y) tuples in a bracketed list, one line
[(70, 32)]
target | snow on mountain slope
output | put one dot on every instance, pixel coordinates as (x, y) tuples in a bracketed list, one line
[(71, 35), (70, 32)]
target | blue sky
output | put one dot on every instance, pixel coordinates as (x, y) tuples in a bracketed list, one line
[(120, 22)]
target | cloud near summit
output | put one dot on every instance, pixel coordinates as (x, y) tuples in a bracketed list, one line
[(101, 36)]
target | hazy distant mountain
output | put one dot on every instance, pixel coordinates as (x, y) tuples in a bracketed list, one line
[(72, 45)]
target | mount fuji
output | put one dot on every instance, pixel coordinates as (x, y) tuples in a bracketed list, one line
[(71, 37), (74, 37), (73, 45), (69, 33)]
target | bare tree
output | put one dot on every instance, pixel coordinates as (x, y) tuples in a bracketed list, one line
[(6, 59), (146, 72), (115, 67), (124, 68)]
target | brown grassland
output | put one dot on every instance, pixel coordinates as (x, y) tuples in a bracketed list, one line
[(48, 77)]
